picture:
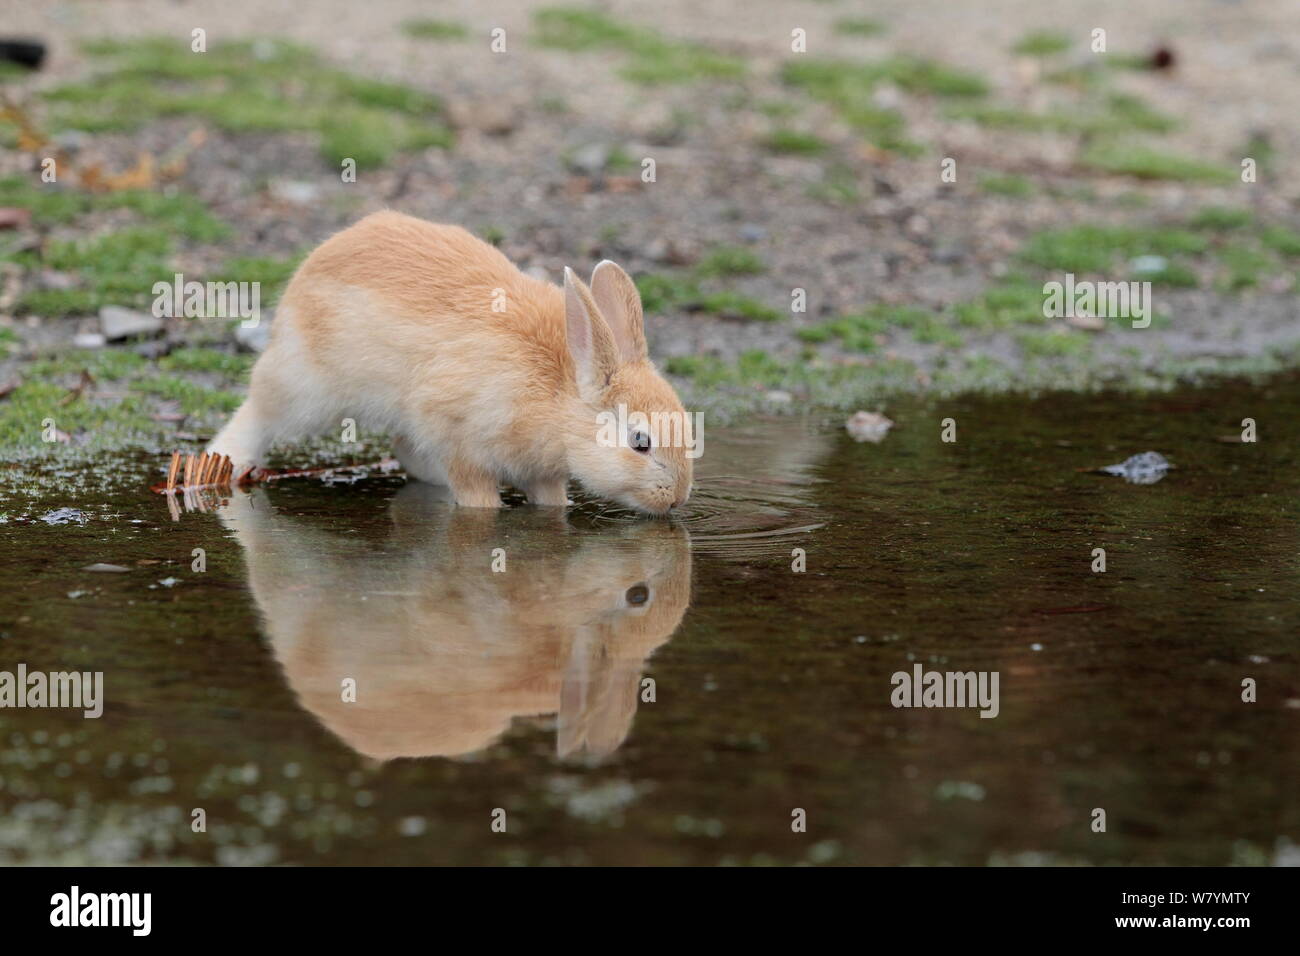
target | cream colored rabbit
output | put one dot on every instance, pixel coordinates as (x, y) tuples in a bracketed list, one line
[(445, 652), (484, 375)]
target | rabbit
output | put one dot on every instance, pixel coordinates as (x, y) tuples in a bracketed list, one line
[(482, 374), (445, 652)]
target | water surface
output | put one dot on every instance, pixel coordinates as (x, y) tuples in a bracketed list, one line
[(633, 691)]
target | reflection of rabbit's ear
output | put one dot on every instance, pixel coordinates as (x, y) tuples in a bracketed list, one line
[(611, 708), (597, 700), (571, 726), (570, 731)]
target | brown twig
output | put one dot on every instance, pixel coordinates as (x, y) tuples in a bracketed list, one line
[(208, 472)]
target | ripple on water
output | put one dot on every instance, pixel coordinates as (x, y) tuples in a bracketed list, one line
[(763, 499)]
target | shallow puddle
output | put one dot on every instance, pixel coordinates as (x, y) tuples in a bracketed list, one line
[(618, 690)]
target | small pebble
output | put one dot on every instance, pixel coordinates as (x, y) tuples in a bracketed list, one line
[(868, 426)]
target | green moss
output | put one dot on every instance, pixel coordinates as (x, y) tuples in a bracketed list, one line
[(372, 138), (582, 30), (690, 292), (1008, 304), (428, 29), (1131, 200), (1146, 163), (49, 203), (1008, 118), (194, 398), (256, 86), (921, 76), (52, 203), (1017, 187), (822, 332), (1242, 265), (621, 161), (47, 391), (883, 128), (846, 81), (382, 95), (1105, 249), (1220, 218), (119, 268), (847, 87), (859, 27), (742, 384), (1053, 344), (233, 365), (932, 328), (653, 58), (28, 406), (57, 303), (1011, 302), (839, 186), (794, 142), (1129, 61), (1098, 70), (1118, 113), (271, 273), (120, 414), (729, 261), (662, 293), (779, 109), (862, 331), (1130, 112), (110, 365), (1042, 43), (753, 367), (1091, 248), (1174, 274), (1259, 148), (1282, 240), (733, 305)]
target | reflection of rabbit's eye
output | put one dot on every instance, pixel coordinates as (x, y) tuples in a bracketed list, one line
[(639, 441), (637, 594)]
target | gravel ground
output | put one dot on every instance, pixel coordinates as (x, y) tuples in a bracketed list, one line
[(531, 125)]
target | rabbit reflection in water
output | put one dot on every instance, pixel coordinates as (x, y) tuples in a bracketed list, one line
[(444, 651)]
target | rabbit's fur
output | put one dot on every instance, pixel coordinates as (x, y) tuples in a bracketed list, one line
[(391, 323)]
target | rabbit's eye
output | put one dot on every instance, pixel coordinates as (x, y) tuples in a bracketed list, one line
[(637, 594), (639, 441)]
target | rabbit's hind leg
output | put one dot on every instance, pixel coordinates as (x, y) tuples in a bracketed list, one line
[(418, 463)]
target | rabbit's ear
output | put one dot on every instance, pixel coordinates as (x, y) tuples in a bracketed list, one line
[(620, 303), (590, 341)]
